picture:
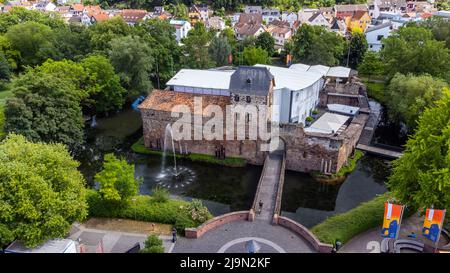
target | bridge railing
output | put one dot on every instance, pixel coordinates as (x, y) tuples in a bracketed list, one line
[(279, 195), (255, 199)]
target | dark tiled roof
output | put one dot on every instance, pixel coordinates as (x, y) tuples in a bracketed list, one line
[(251, 80), (314, 16)]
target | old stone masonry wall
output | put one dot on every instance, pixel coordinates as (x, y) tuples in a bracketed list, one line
[(304, 151)]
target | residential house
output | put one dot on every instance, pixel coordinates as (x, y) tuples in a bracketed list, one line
[(82, 19), (91, 9), (253, 9), (281, 31), (338, 26), (359, 20), (216, 23), (198, 13), (375, 34), (45, 6), (181, 28), (342, 11), (64, 12), (99, 17), (290, 17), (420, 6), (270, 14), (305, 14), (132, 16), (249, 24), (318, 19), (77, 9), (160, 13), (328, 12), (377, 6)]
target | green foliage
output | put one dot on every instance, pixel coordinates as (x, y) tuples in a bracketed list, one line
[(408, 96), (6, 235), (220, 50), (316, 45), (371, 64), (34, 41), (421, 177), (178, 10), (376, 91), (133, 61), (356, 48), (309, 119), (153, 244), (414, 50), (11, 55), (101, 34), (195, 47), (160, 194), (351, 164), (145, 208), (198, 211), (73, 41), (2, 121), (117, 182), (255, 55), (45, 108), (345, 226), (41, 191), (266, 42), (19, 15)]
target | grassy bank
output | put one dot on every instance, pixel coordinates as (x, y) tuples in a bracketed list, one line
[(347, 225), (376, 91), (344, 171), (145, 208), (139, 148)]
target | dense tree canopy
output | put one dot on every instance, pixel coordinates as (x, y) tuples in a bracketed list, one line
[(41, 191), (220, 50), (414, 50), (408, 96), (45, 108), (255, 55), (102, 33), (421, 177), (315, 45), (196, 47), (371, 64), (117, 181), (356, 47), (266, 42), (132, 60), (19, 15)]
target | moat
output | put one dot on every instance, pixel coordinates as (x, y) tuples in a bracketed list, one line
[(225, 189)]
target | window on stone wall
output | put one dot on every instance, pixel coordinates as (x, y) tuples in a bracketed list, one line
[(248, 99), (236, 97)]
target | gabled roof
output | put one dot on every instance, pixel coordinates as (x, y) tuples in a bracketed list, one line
[(248, 24), (359, 14), (314, 16), (133, 15), (380, 26), (350, 8), (292, 79), (77, 7), (252, 80)]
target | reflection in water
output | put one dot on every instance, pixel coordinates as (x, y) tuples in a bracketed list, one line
[(388, 132), (310, 202)]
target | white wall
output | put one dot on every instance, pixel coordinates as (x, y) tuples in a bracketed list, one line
[(374, 38)]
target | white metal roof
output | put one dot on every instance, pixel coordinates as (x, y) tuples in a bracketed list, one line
[(322, 69), (339, 72), (341, 108), (292, 79), (299, 66), (327, 123), (52, 246), (211, 79)]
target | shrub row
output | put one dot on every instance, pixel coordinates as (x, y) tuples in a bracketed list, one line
[(145, 208)]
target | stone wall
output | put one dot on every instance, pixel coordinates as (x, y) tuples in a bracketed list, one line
[(215, 222)]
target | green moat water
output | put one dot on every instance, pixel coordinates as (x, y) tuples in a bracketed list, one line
[(224, 189)]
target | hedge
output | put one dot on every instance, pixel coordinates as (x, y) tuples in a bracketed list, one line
[(145, 208), (139, 148), (347, 225)]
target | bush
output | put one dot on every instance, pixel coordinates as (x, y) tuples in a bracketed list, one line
[(160, 194), (145, 208), (198, 211), (346, 225), (309, 119), (153, 244), (315, 112)]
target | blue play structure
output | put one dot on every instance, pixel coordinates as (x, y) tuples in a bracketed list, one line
[(136, 103), (392, 230)]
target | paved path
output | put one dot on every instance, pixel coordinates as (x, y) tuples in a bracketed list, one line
[(113, 241), (269, 185), (231, 238)]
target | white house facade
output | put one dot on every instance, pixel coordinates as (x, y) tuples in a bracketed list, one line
[(375, 34)]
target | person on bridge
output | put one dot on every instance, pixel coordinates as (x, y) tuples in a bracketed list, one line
[(260, 206)]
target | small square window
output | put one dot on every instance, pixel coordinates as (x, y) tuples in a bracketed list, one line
[(248, 99), (236, 97)]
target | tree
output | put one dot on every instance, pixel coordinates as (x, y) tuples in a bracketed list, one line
[(413, 50), (19, 15), (196, 47), (178, 10), (356, 48), (153, 244), (220, 50), (371, 64), (101, 34), (421, 177), (45, 108), (132, 60), (34, 41), (408, 96), (315, 45), (41, 191), (166, 51), (11, 55), (255, 55), (266, 42), (73, 42), (5, 71), (117, 182), (102, 84)]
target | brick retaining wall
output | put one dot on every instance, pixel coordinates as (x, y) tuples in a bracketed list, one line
[(216, 222)]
